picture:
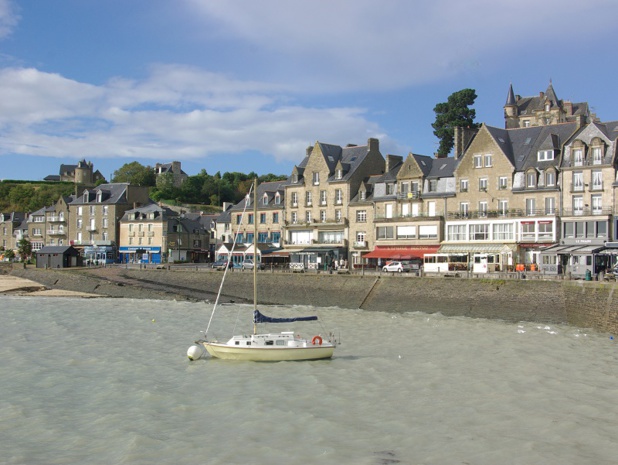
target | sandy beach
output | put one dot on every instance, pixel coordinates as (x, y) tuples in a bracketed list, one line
[(15, 285)]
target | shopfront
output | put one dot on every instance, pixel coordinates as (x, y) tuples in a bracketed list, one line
[(141, 254)]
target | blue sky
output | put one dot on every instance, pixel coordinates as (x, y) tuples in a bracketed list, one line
[(247, 85)]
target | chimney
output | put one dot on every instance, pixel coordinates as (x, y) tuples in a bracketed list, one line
[(391, 162), (373, 144), (568, 108), (541, 94), (309, 150)]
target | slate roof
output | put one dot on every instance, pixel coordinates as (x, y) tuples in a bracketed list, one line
[(113, 193)]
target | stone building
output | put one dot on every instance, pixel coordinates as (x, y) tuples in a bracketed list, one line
[(172, 169), (94, 217), (543, 109), (83, 173), (9, 224), (317, 199)]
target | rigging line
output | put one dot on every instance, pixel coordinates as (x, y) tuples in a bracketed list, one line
[(229, 256)]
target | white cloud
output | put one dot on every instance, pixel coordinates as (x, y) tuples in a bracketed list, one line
[(368, 44), (8, 18), (176, 110)]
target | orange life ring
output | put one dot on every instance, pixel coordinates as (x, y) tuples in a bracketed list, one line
[(317, 339)]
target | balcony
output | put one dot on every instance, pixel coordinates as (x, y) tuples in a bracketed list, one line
[(56, 219), (56, 232), (408, 217), (587, 211), (409, 195), (92, 228), (512, 213), (131, 233), (360, 244)]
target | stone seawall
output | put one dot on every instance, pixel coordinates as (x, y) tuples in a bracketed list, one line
[(583, 304)]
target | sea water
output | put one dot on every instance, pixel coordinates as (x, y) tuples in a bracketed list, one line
[(107, 381)]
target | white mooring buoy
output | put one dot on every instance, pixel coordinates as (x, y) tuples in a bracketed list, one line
[(195, 352)]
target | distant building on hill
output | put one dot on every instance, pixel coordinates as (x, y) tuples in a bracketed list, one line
[(82, 173), (175, 169)]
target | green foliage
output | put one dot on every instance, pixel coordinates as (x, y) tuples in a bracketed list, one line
[(30, 196), (455, 112), (136, 174), (9, 254), (24, 249)]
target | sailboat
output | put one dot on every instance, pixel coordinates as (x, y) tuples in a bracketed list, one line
[(264, 347)]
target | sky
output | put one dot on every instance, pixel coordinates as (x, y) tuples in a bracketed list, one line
[(245, 85)]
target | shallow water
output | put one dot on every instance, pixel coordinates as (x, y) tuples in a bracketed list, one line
[(107, 381)]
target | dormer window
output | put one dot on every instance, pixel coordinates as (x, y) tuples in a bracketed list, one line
[(99, 196), (531, 180), (85, 196), (316, 178), (277, 199), (265, 199), (545, 155), (295, 178), (339, 174), (578, 157), (597, 155), (363, 195)]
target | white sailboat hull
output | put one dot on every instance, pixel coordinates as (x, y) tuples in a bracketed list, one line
[(269, 353)]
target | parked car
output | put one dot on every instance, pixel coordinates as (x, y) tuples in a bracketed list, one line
[(219, 265), (248, 265), (399, 267)]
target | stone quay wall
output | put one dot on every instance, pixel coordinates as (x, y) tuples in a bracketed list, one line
[(578, 303)]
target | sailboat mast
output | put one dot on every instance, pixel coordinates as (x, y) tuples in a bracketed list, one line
[(255, 249)]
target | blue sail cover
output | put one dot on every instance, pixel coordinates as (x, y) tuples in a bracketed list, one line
[(259, 318)]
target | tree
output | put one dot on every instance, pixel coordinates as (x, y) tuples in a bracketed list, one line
[(9, 254), (455, 112), (136, 174), (24, 249)]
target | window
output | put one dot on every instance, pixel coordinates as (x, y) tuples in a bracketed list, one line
[(361, 216), (597, 204), (262, 218), (502, 232), (597, 155), (578, 181), (316, 178), (433, 185), (308, 198), (265, 199), (483, 184), (530, 207), (479, 232), (294, 178), (464, 207), (390, 189), (427, 232), (323, 216), (105, 210), (488, 161), (503, 183), (276, 217), (478, 161), (92, 210), (388, 210), (456, 232), (275, 236), (503, 206), (406, 232), (339, 173), (330, 237), (105, 222), (250, 218), (531, 179), (482, 208), (294, 199), (338, 216), (294, 217), (79, 224), (546, 230), (550, 178), (578, 157), (384, 232), (363, 195), (578, 205), (528, 230), (597, 180), (545, 155), (360, 237), (550, 206), (338, 196), (277, 199), (308, 216), (322, 197), (463, 185), (79, 211)]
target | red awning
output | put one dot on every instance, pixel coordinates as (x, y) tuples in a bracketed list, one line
[(401, 253)]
